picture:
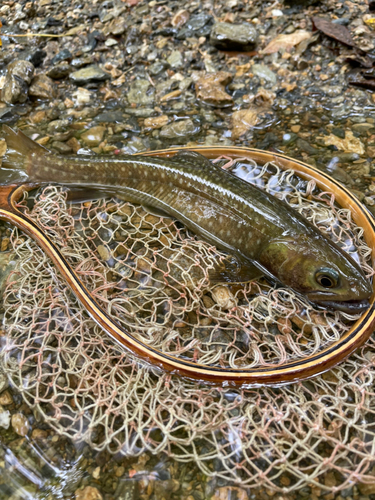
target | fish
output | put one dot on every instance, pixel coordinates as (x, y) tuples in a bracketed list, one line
[(264, 235)]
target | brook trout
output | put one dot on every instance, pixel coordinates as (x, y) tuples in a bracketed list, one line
[(264, 234)]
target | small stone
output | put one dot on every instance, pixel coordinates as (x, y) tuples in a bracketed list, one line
[(89, 74), (60, 70), (223, 297), (158, 67), (96, 473), (227, 36), (74, 144), (180, 18), (38, 116), (20, 424), (263, 71), (82, 96), (179, 129), (156, 122), (369, 201), (14, 90), (22, 69), (242, 121), (350, 144), (43, 87), (39, 434), (93, 136), (63, 55), (3, 146), (4, 418), (367, 489), (175, 59), (362, 128), (104, 252), (57, 126), (141, 92), (211, 89), (110, 42), (117, 26), (5, 398), (88, 493), (295, 128), (120, 471), (61, 147), (228, 492)]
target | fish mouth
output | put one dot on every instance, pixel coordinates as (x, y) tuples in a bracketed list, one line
[(348, 306)]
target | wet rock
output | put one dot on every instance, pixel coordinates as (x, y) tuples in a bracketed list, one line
[(227, 36), (61, 147), (63, 55), (93, 136), (88, 493), (7, 115), (156, 122), (57, 126), (263, 71), (36, 57), (60, 70), (211, 89), (115, 116), (158, 67), (362, 128), (4, 418), (18, 77), (175, 59), (180, 18), (42, 87), (367, 489), (141, 92), (196, 26), (179, 130), (127, 490), (117, 26), (14, 90), (22, 69), (89, 74), (20, 424), (140, 112), (242, 121), (350, 144)]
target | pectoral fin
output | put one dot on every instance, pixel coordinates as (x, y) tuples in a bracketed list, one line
[(233, 271)]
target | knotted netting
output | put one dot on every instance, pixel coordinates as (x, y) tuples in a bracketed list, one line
[(153, 276)]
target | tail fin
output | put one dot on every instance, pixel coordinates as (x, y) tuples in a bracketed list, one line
[(20, 148)]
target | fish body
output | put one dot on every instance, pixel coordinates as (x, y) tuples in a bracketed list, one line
[(258, 229)]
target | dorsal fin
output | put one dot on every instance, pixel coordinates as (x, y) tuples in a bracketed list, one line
[(21, 143), (193, 159)]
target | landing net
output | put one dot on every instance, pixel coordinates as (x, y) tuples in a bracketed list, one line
[(152, 275)]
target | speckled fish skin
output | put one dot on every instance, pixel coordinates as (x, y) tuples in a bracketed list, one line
[(225, 210)]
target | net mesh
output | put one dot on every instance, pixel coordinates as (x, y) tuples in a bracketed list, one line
[(152, 275)]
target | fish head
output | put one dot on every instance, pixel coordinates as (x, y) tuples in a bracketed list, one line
[(317, 268)]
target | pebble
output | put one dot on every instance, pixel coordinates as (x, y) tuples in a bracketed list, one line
[(20, 424), (211, 89), (242, 121), (198, 25), (3, 148), (263, 71), (4, 418), (43, 87), (223, 297), (15, 88), (367, 489), (175, 59), (89, 74), (104, 252), (22, 69), (5, 398), (156, 122), (179, 129), (180, 18), (60, 70), (141, 92), (227, 36), (88, 493), (57, 126)]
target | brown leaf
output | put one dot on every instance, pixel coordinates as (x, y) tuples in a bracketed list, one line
[(335, 31), (286, 42)]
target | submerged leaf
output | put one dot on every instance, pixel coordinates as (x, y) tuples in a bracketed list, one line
[(336, 31)]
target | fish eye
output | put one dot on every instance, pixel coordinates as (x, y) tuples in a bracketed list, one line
[(327, 278)]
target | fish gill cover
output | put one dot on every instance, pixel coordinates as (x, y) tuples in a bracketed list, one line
[(151, 274)]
